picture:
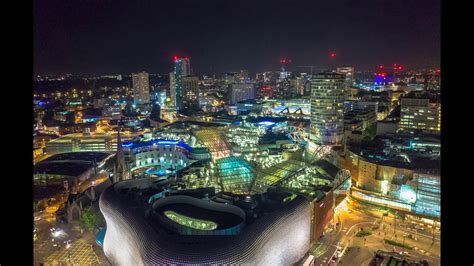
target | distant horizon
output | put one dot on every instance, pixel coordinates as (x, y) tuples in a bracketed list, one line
[(223, 72)]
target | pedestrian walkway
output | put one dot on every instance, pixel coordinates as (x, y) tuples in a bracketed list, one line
[(79, 253)]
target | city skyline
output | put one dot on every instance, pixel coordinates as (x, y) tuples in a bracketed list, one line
[(98, 38), (237, 132)]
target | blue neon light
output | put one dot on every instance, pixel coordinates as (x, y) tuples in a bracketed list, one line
[(130, 144), (167, 142)]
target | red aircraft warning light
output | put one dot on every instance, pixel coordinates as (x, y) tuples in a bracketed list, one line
[(381, 67), (333, 54), (175, 57)]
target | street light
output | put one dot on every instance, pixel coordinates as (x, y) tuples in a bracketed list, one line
[(403, 245)]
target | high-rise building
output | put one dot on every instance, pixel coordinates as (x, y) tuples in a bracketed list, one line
[(240, 92), (300, 84), (160, 98), (419, 113), (283, 73), (141, 88), (182, 68), (327, 108), (173, 89), (190, 91), (348, 71), (185, 66)]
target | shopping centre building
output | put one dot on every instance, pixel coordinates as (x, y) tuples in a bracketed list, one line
[(398, 172), (182, 229)]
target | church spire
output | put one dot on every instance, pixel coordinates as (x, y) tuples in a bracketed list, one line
[(121, 170)]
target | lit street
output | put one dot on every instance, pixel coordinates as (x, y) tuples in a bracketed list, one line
[(58, 243), (360, 250)]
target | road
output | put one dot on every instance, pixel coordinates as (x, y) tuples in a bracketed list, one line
[(359, 251)]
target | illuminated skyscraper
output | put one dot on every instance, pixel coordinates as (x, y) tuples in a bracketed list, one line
[(141, 88), (182, 68), (173, 88), (348, 71), (190, 91), (327, 108)]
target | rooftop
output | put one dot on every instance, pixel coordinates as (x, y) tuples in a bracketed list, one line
[(78, 156), (66, 168), (399, 151), (70, 163), (137, 144)]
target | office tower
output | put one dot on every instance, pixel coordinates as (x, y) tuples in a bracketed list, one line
[(190, 91), (240, 92), (182, 68), (141, 88), (185, 66), (327, 108), (420, 113), (348, 71), (161, 99), (300, 84), (283, 73)]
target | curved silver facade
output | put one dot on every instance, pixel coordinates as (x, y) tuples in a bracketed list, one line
[(279, 238)]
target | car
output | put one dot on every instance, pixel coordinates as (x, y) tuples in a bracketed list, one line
[(420, 227)]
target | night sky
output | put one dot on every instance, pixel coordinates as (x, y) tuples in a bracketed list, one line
[(107, 37)]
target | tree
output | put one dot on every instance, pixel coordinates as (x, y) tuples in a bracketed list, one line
[(89, 219), (38, 206)]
